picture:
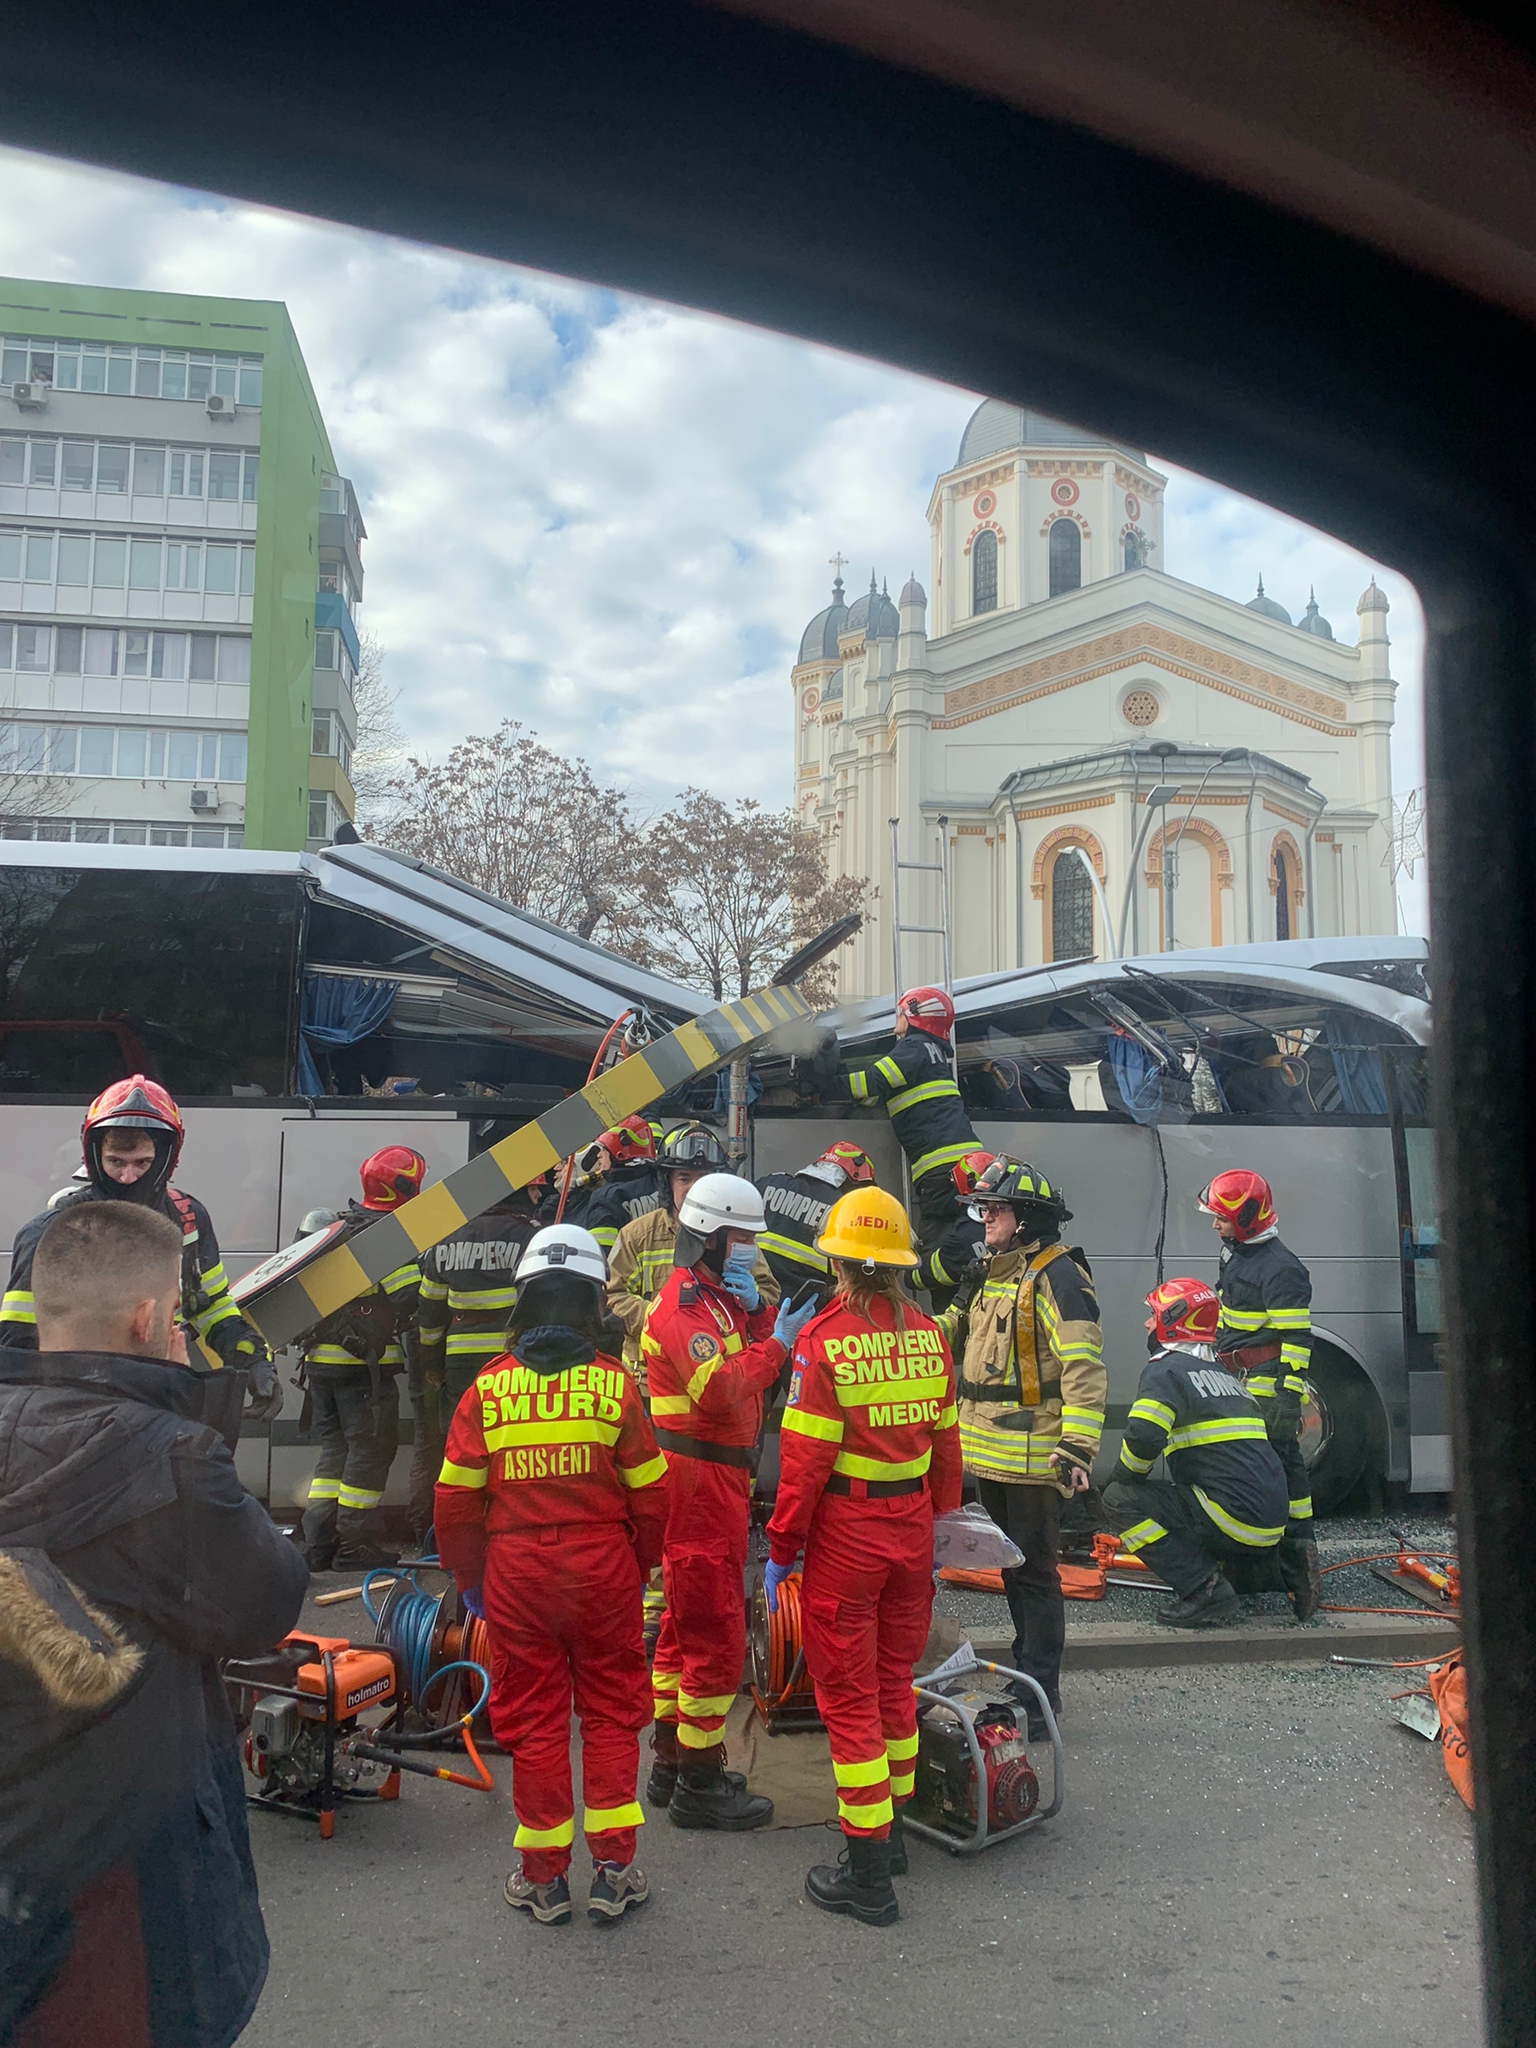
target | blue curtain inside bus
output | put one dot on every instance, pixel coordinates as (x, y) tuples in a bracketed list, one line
[(1138, 1076), (338, 1009), (1362, 1087)]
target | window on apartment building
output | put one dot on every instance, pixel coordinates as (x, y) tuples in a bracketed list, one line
[(187, 472), (149, 472), (13, 460), (222, 569), (250, 466), (79, 465), (144, 372), (129, 753), (111, 466), (74, 560), (134, 651), (984, 573), (224, 473)]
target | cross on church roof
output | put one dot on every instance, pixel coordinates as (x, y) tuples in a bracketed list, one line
[(837, 563)]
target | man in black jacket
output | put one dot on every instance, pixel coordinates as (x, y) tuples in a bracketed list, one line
[(130, 1560)]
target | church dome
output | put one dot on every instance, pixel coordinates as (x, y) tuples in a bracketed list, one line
[(1268, 609), (819, 640), (1372, 599), (996, 425), (912, 593), (873, 615), (1312, 620), (832, 687)]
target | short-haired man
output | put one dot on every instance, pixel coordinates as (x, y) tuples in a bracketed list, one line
[(130, 1560)]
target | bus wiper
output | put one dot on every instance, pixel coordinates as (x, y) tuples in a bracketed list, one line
[(1125, 1019)]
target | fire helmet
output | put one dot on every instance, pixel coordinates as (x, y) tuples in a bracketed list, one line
[(851, 1162), (693, 1147), (630, 1140), (927, 1009), (563, 1248), (715, 1202), (967, 1171), (1242, 1199), (1024, 1189), (137, 1104), (391, 1176), (1183, 1309), (869, 1228)]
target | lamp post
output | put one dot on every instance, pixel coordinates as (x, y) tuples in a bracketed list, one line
[(1170, 854), (1156, 797)]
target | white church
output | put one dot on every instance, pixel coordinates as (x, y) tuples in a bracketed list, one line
[(1102, 759)]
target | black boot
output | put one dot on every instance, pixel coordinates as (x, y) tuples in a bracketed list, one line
[(898, 1847), (858, 1883), (1209, 1606), (707, 1795), (659, 1785), (1300, 1575)]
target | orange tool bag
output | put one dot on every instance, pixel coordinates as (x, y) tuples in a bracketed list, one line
[(1448, 1689)]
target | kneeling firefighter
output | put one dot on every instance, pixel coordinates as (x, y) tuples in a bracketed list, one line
[(713, 1345), (870, 1453), (1225, 1496), (549, 1512)]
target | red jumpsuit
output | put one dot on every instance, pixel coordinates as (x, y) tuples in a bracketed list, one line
[(707, 1364), (552, 1498), (869, 1453)]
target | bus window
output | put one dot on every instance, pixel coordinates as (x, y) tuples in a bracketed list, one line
[(1421, 1232), (194, 981)]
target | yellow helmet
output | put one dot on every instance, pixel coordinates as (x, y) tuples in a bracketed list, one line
[(869, 1226)]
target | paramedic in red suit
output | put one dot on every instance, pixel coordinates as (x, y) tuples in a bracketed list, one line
[(549, 1512), (711, 1348), (870, 1452)]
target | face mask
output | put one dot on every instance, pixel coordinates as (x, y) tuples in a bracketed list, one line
[(739, 1261)]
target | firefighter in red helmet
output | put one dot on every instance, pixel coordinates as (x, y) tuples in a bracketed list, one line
[(350, 1362), (1265, 1337), (948, 1259), (131, 1141), (631, 1182), (1225, 1494), (797, 1206)]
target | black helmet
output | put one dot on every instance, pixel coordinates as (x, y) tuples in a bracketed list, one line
[(694, 1146), (1035, 1202)]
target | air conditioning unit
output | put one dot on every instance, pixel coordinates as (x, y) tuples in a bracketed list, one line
[(219, 408), (205, 799), (31, 397)]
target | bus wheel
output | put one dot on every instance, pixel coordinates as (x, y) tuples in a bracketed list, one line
[(1341, 1427)]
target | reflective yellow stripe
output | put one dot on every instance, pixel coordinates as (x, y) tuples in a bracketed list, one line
[(1243, 1318), (402, 1276), (566, 1431), (1132, 1463), (734, 1343), (487, 1299), (1240, 1532), (646, 1474), (899, 1747), (788, 1248), (1261, 1386), (711, 1707), (1295, 1384), (873, 1771), (434, 1290), (597, 1820), (324, 1489), (948, 1417), (925, 1091), (665, 1681), (1301, 1510), (824, 1426), (560, 1837), (463, 1475), (871, 1392), (1223, 1429), (1089, 1421), (945, 1155), (1290, 1318), (858, 1086), (1141, 1534), (1148, 1410), (649, 1345), (702, 1378), (902, 1783), (854, 1467), (19, 1306), (360, 1496), (670, 1404), (334, 1354), (878, 1813), (692, 1737), (889, 1069)]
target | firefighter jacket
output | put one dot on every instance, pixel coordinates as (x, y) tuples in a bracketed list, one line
[(622, 1194), (796, 1205), (1265, 1331), (468, 1289), (551, 1435), (1031, 1364), (942, 1264), (1201, 1417), (871, 1408), (708, 1362), (207, 1307), (371, 1330), (638, 1267), (916, 1082)]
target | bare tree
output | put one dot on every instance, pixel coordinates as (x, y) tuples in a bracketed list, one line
[(379, 755), (507, 815), (726, 894)]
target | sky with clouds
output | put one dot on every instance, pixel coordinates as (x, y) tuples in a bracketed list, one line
[(604, 516)]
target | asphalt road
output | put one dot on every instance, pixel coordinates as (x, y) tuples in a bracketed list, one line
[(1246, 1854)]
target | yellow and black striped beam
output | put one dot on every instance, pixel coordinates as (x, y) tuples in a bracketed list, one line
[(296, 1303)]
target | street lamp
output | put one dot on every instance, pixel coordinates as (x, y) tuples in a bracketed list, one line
[(1157, 797)]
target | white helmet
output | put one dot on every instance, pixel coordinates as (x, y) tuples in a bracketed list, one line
[(722, 1201), (563, 1248)]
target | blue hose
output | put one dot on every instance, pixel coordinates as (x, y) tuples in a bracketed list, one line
[(408, 1626)]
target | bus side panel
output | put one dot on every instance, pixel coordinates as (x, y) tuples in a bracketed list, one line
[(39, 1150)]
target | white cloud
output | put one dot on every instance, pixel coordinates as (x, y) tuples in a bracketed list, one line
[(607, 517)]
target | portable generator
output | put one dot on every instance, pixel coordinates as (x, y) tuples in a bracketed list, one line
[(974, 1783)]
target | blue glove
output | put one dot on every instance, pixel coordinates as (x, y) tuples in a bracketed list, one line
[(774, 1577), (791, 1321), (736, 1275), (474, 1602)]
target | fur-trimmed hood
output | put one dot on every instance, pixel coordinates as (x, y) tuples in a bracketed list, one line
[(49, 1629)]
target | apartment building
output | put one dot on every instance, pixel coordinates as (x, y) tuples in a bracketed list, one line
[(180, 572)]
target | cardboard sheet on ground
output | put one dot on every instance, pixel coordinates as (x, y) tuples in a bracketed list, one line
[(795, 1771)]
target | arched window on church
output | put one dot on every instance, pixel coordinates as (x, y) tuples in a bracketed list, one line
[(984, 573), (1071, 907), (1066, 546), (1133, 550), (1282, 894)]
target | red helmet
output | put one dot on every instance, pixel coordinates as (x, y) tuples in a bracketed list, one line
[(1241, 1199), (629, 1140), (854, 1161), (967, 1171), (391, 1176), (137, 1104), (927, 1009), (1184, 1308)]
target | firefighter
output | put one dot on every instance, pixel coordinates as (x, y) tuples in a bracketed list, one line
[(641, 1257), (916, 1082), (468, 1290), (349, 1362), (946, 1261), (797, 1206), (713, 1343), (870, 1452), (550, 1511), (1265, 1337), (1225, 1496), (1031, 1389), (633, 1183), (131, 1140)]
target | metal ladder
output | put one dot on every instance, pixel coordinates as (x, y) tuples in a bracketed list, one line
[(939, 867)]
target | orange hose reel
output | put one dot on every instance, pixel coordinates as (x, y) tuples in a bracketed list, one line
[(781, 1685)]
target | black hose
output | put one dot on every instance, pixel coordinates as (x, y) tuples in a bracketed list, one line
[(1162, 1221)]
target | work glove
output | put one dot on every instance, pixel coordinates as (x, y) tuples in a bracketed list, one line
[(736, 1276), (474, 1602), (774, 1576), (266, 1389), (791, 1321), (1071, 1468)]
